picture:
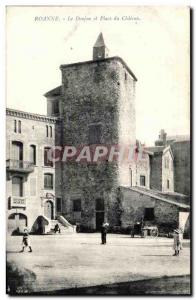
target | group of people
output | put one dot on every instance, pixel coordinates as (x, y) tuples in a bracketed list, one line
[(177, 235)]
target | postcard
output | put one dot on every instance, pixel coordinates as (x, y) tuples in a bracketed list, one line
[(98, 181)]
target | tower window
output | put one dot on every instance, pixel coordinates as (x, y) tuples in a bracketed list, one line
[(95, 134), (77, 205), (47, 131)]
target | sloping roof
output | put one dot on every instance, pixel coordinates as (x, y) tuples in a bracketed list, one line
[(157, 195), (54, 92), (100, 41), (178, 138), (155, 149)]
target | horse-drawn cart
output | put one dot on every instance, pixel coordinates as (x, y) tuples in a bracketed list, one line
[(149, 231), (144, 230)]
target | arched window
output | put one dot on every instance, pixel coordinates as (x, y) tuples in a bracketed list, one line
[(17, 150), (50, 131), (32, 154), (17, 186), (47, 161), (19, 127), (15, 126)]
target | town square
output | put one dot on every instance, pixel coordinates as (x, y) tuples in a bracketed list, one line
[(64, 263)]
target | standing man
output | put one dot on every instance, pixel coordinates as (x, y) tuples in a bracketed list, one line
[(104, 230), (177, 242), (26, 241)]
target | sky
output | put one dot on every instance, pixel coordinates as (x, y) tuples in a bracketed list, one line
[(153, 41)]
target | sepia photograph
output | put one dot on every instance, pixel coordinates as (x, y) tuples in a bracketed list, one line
[(98, 150)]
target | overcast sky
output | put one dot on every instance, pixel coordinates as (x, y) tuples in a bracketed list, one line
[(154, 42)]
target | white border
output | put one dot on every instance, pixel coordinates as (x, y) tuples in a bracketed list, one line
[(3, 4)]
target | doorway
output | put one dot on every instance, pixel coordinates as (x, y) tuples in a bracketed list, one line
[(17, 222), (48, 209), (100, 213), (99, 220)]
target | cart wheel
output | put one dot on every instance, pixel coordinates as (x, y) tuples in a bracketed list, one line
[(154, 232)]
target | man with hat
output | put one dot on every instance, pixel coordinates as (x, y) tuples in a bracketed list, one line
[(177, 242), (104, 229)]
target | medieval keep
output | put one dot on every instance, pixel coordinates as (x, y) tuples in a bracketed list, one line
[(94, 105)]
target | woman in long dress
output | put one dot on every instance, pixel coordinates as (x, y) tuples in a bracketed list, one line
[(177, 242)]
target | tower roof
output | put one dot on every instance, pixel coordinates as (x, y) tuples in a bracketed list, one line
[(100, 41)]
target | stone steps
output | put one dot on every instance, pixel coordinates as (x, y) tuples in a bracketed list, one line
[(63, 229)]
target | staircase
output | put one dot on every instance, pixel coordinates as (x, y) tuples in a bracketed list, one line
[(64, 225)]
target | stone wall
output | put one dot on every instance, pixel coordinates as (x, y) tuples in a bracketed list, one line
[(134, 204), (98, 92)]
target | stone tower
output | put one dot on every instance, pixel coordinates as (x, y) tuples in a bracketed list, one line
[(100, 51), (97, 107)]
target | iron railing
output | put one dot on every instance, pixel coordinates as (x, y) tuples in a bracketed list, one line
[(19, 165)]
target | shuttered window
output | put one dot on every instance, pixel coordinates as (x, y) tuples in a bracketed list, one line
[(48, 181), (77, 205), (47, 161)]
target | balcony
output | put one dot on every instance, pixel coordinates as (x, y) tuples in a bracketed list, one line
[(19, 202), (21, 166)]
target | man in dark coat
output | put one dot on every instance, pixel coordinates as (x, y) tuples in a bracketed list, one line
[(104, 229), (26, 241)]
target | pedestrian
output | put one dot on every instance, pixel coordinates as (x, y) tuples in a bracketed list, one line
[(26, 241), (181, 238), (57, 228), (104, 229), (177, 242)]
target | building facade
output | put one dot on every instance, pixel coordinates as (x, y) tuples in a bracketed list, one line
[(30, 176), (181, 151), (161, 168)]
